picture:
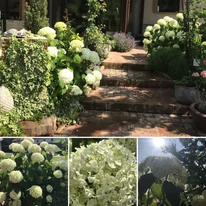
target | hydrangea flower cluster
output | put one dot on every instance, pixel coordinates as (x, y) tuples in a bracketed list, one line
[(76, 45), (66, 76), (22, 179), (167, 32), (199, 200), (60, 26), (89, 55), (103, 173), (47, 32)]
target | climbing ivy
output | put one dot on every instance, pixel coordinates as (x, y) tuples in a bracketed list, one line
[(26, 75)]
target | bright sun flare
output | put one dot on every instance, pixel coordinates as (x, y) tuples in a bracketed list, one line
[(158, 142)]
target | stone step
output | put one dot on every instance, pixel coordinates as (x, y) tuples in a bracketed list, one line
[(134, 99), (135, 60), (132, 78)]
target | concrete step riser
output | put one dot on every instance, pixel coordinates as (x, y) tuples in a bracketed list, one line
[(137, 83), (139, 108)]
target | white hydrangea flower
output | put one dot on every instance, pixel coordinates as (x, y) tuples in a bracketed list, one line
[(174, 23), (49, 188), (96, 68), (2, 154), (86, 53), (94, 57), (58, 174), (30, 139), (61, 26), (198, 200), (37, 157), (149, 28), (53, 51), (7, 165), (90, 79), (147, 34), (146, 41), (14, 195), (96, 83), (43, 144), (15, 203), (48, 32), (62, 184), (86, 90), (176, 46), (2, 197), (63, 164), (15, 176), (97, 74), (129, 143), (104, 170), (180, 34), (161, 38), (34, 148), (15, 147), (66, 76), (77, 45), (162, 22), (49, 198), (35, 191), (51, 148), (180, 16), (26, 143), (156, 27), (88, 71), (170, 34), (76, 90), (167, 18)]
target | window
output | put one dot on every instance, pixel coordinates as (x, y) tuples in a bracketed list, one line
[(168, 5)]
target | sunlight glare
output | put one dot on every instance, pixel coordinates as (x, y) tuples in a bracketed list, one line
[(158, 142)]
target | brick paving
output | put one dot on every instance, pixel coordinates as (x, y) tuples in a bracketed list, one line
[(129, 85), (108, 124)]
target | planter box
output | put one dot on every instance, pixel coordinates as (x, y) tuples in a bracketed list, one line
[(45, 127), (186, 95), (198, 118)]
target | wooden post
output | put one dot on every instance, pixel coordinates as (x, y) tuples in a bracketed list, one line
[(124, 15)]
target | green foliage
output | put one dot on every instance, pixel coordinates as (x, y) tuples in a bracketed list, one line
[(9, 125), (192, 157), (36, 15), (26, 75), (170, 61)]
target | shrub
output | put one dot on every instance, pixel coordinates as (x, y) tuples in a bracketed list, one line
[(169, 61), (167, 32), (123, 42), (26, 75), (36, 15), (32, 176)]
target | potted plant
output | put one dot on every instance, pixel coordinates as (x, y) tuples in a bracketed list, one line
[(198, 109), (186, 89)]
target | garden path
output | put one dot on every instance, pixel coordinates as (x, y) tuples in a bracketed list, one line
[(131, 101)]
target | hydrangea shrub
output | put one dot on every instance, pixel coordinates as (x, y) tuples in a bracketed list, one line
[(31, 176), (167, 32), (103, 173)]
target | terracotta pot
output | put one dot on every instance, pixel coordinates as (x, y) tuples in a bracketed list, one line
[(186, 95), (198, 118)]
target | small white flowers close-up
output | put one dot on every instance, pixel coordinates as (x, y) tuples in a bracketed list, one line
[(103, 173)]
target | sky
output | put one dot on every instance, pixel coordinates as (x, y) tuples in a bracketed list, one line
[(152, 146)]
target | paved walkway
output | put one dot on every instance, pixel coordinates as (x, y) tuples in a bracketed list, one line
[(117, 123), (97, 123)]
